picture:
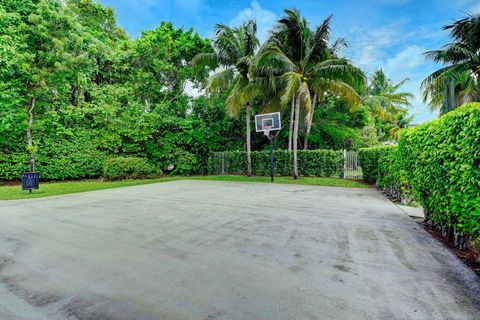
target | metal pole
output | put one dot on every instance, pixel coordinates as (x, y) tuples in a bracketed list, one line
[(223, 162), (272, 165)]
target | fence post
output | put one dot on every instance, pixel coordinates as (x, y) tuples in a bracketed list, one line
[(344, 163), (223, 163)]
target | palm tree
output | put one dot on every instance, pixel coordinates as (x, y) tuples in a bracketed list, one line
[(457, 82), (383, 98), (307, 68), (233, 51), (387, 104)]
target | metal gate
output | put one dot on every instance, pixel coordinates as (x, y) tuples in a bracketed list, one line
[(351, 165)]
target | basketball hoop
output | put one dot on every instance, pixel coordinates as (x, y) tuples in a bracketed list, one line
[(267, 123)]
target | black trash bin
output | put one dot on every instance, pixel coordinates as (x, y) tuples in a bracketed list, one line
[(30, 180)]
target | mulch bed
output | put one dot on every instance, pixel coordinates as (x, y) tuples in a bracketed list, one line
[(468, 256)]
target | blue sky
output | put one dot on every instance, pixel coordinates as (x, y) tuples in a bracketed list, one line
[(388, 34)]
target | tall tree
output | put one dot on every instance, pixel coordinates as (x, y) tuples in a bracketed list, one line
[(457, 82), (387, 104), (53, 57), (234, 51), (307, 70), (14, 60)]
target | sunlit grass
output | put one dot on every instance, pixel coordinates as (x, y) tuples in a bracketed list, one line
[(59, 188)]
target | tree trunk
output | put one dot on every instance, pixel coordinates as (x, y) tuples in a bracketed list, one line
[(290, 132), (29, 135), (249, 147), (295, 138), (309, 122)]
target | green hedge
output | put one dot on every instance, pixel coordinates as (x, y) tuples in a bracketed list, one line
[(128, 167), (12, 165), (369, 162), (58, 158), (443, 157), (319, 163), (440, 161), (383, 166)]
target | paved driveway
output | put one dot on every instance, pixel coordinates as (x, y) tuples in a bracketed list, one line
[(216, 250)]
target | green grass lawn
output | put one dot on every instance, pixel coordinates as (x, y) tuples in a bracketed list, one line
[(59, 188)]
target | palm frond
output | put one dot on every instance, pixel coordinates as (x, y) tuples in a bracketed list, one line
[(238, 97), (340, 88), (275, 55), (338, 45), (293, 81), (341, 69), (220, 80), (303, 93), (317, 46), (203, 60)]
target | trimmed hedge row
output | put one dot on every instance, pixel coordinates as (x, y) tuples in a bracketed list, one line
[(318, 163), (57, 159), (440, 160), (129, 167), (369, 162), (444, 157), (383, 166), (74, 158)]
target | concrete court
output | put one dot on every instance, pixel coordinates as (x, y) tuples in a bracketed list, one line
[(223, 250)]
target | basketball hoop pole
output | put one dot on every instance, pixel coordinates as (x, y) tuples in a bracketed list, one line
[(269, 135), (267, 123)]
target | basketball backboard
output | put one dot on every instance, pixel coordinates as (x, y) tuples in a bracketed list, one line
[(267, 122)]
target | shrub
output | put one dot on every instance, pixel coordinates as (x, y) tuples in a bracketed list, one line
[(185, 163), (442, 161), (58, 157), (73, 157), (369, 162), (12, 165), (319, 163), (384, 166), (128, 167)]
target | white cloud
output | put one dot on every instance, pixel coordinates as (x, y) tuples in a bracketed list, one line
[(265, 19), (405, 62), (369, 45)]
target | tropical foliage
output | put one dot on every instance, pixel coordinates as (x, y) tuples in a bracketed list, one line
[(457, 82), (233, 51), (306, 70), (315, 163), (76, 92), (438, 163), (388, 106), (93, 93)]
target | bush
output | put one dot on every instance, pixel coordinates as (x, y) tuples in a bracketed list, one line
[(58, 157), (75, 157), (318, 163), (369, 162), (384, 167), (185, 163), (130, 167), (440, 162), (12, 165)]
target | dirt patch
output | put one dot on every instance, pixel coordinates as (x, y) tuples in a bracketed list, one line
[(468, 256)]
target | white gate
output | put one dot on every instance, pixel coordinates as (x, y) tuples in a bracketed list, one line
[(351, 165)]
